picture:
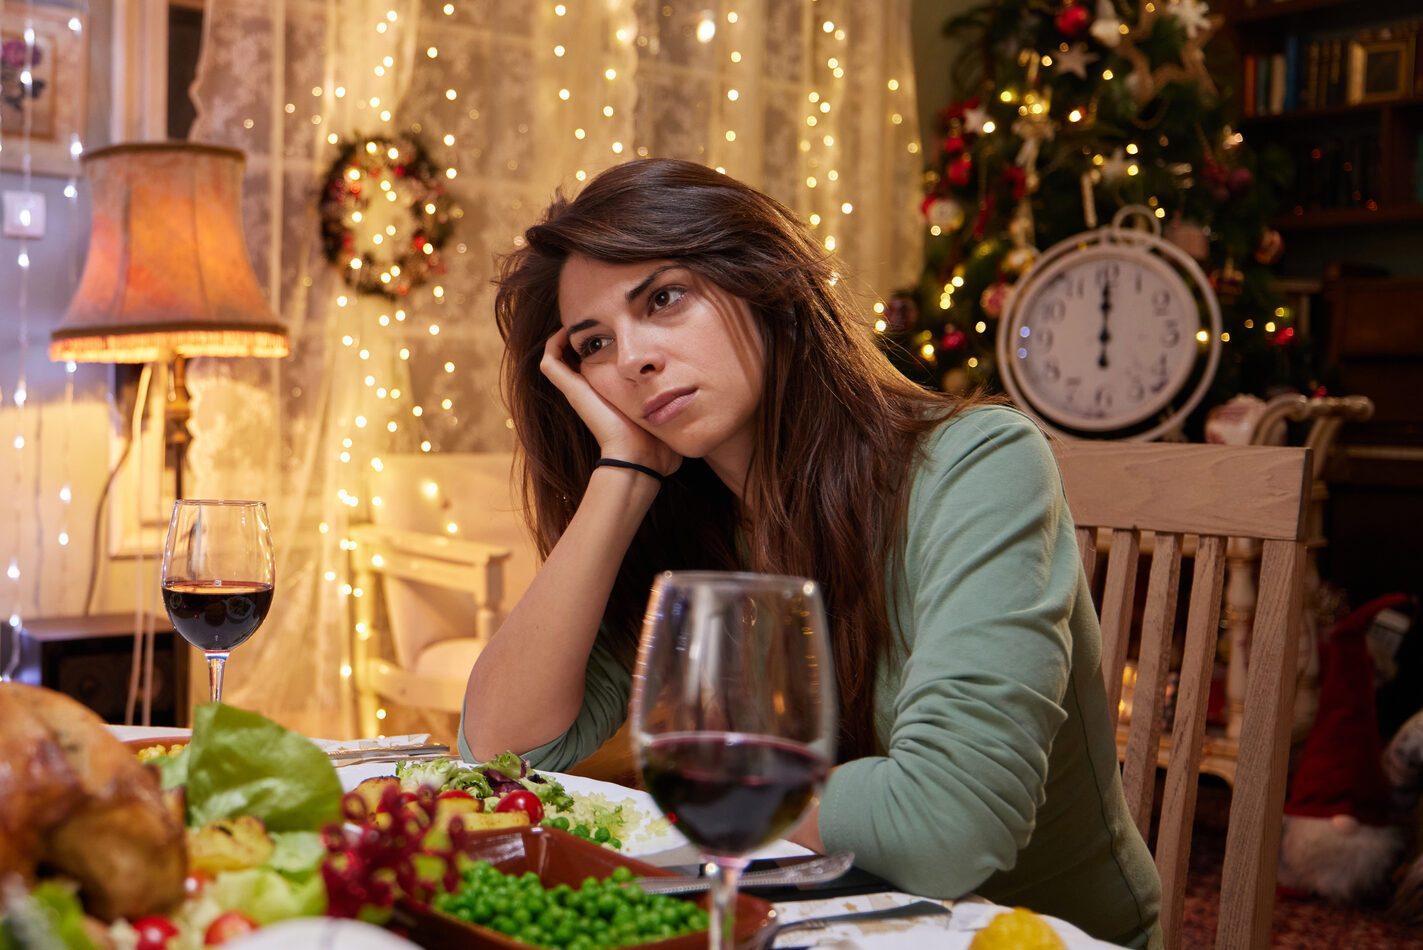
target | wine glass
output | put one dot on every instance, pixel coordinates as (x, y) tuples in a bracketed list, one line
[(218, 573), (733, 714)]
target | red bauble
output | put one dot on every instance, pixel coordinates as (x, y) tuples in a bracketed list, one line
[(1016, 180), (954, 340), (1072, 20), (953, 145), (960, 170)]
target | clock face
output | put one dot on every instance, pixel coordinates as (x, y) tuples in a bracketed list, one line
[(1103, 338)]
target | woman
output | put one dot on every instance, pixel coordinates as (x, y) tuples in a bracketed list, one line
[(692, 390)]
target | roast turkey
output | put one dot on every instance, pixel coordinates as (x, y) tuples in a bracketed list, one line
[(74, 800)]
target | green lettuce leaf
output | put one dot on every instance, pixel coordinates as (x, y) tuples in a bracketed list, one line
[(49, 916), (268, 896), (242, 763)]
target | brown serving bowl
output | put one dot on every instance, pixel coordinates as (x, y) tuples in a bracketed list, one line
[(558, 857)]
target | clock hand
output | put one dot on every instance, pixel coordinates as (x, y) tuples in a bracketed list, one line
[(1105, 336)]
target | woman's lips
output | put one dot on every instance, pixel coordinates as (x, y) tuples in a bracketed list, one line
[(667, 406)]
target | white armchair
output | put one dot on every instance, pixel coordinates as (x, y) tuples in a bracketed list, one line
[(449, 546)]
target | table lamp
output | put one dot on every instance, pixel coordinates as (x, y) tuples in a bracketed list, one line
[(167, 275)]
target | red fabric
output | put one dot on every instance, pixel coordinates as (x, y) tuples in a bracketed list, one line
[(1339, 772)]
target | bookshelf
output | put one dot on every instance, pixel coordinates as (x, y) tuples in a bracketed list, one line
[(1339, 85), (1353, 229)]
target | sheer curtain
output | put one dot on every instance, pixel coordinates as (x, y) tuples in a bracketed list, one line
[(811, 100)]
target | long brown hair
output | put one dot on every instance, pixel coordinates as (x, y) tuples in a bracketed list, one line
[(837, 432)]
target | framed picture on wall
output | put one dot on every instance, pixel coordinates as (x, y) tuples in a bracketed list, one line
[(43, 86)]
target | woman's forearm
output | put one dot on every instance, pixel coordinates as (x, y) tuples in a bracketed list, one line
[(527, 686)]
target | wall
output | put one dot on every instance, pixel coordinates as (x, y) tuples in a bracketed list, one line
[(60, 442)]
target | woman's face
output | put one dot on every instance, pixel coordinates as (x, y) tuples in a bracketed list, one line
[(675, 353)]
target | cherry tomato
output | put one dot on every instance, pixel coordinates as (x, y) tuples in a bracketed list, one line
[(154, 932), (455, 793), (228, 926), (195, 883), (524, 801)]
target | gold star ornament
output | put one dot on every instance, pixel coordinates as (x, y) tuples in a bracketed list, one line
[(1146, 83)]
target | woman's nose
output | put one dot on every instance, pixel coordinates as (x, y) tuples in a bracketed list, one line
[(638, 355)]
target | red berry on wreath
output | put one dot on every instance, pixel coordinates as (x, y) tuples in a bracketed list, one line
[(953, 145), (1072, 20)]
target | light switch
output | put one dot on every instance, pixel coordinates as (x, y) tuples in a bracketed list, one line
[(24, 214)]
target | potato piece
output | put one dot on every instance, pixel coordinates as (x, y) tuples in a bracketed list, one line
[(372, 789), (229, 844), (484, 821)]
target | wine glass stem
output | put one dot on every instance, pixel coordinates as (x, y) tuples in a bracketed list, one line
[(216, 661), (722, 932)]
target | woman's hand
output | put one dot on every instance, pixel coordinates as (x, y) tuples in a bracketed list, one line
[(617, 435)]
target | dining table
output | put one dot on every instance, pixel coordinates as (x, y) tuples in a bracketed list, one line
[(655, 841)]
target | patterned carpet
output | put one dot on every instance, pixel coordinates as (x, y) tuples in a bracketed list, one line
[(1299, 922)]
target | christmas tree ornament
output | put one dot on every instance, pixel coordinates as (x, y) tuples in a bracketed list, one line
[(974, 116), (1100, 338), (1074, 60), (1017, 261), (994, 298), (1189, 237), (960, 171), (1106, 27), (1238, 182), (945, 214), (955, 339), (1114, 168), (1072, 20), (1270, 248), (1227, 281), (1145, 82), (1193, 15)]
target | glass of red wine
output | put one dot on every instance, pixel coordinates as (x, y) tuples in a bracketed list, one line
[(218, 572), (733, 714)]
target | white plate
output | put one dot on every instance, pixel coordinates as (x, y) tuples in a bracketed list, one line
[(649, 838)]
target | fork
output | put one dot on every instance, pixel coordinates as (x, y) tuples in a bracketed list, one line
[(824, 868), (766, 938)]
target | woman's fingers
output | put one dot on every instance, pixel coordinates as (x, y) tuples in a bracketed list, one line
[(615, 433)]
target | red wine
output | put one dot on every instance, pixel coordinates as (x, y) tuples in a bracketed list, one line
[(216, 615), (727, 792)]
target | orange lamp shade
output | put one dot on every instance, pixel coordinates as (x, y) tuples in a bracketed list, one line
[(167, 272)]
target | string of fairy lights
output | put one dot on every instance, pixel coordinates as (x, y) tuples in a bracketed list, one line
[(19, 394)]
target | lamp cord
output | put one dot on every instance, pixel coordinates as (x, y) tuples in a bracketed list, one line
[(140, 647)]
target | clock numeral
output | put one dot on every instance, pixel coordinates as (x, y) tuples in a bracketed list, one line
[(1102, 398), (1108, 273), (1161, 300), (1139, 286), (1043, 339), (1052, 310), (1172, 334), (1072, 383), (1051, 371), (1136, 392)]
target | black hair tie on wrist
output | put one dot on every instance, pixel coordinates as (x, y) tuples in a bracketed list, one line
[(619, 463)]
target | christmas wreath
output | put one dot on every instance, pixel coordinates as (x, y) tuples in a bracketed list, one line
[(385, 215)]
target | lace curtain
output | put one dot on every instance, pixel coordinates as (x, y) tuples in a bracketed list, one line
[(811, 100)]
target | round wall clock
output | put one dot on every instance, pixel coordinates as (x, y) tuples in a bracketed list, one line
[(1103, 337)]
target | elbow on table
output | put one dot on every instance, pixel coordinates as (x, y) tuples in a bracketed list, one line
[(932, 868)]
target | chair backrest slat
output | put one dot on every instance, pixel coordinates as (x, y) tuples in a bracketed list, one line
[(1117, 599), (1188, 729), (1253, 835), (1214, 493), (1153, 664)]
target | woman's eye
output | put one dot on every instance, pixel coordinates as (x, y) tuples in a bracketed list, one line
[(591, 346), (666, 297)]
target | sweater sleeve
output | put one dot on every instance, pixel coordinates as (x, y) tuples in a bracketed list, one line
[(991, 574), (606, 688)]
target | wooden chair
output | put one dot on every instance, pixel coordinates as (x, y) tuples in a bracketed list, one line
[(450, 550), (1213, 493)]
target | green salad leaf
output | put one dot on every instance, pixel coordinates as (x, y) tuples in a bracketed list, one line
[(242, 763), (49, 916)]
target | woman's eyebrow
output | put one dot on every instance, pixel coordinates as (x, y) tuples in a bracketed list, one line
[(646, 282), (581, 325)]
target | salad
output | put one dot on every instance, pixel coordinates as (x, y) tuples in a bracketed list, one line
[(506, 784)]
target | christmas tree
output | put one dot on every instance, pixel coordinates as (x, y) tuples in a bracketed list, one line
[(1067, 113)]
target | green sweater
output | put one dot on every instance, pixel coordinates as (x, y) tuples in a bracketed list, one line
[(1001, 772)]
